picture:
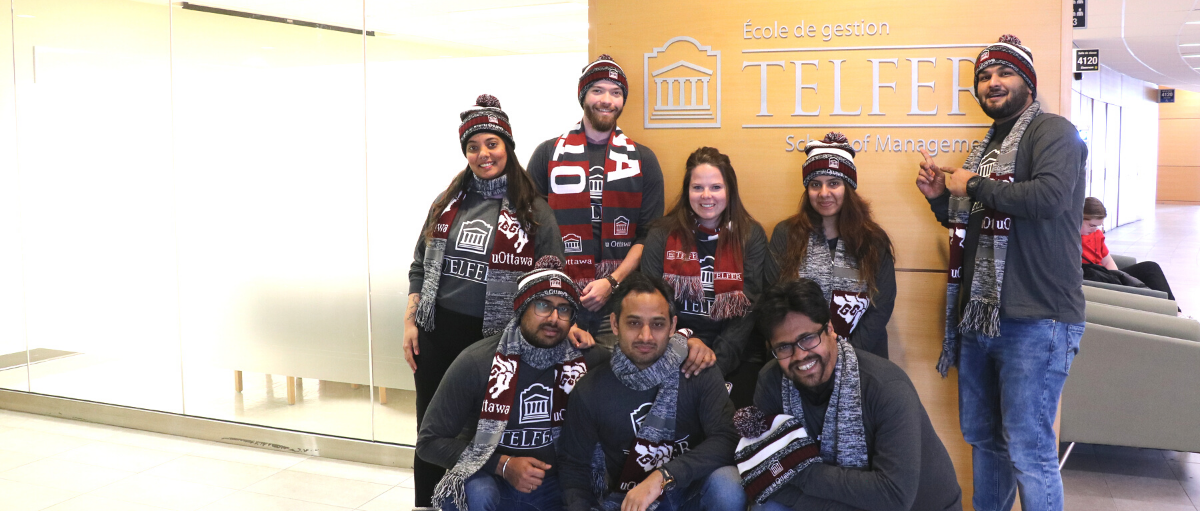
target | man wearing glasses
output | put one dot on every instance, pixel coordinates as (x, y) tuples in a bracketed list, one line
[(877, 448), (495, 420)]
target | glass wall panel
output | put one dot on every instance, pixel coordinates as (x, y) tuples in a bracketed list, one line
[(427, 63), (271, 200), (98, 229), (14, 372)]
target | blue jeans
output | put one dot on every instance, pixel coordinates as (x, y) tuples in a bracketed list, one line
[(1008, 391), (489, 492), (770, 505), (720, 491)]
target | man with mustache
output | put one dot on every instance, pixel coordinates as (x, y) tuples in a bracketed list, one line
[(638, 435), (1014, 301), (604, 190), (494, 421), (859, 437)]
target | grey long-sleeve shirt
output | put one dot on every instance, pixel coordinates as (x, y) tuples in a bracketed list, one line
[(908, 466), (1042, 275), (652, 181), (726, 338), (871, 332), (604, 410), (463, 285)]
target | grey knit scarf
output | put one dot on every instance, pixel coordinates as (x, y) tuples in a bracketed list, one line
[(836, 272), (489, 431), (659, 425), (843, 437), (501, 288), (982, 311)]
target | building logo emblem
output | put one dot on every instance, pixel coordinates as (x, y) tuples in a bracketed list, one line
[(687, 85), (535, 404), (492, 119), (556, 282), (621, 226), (572, 244), (473, 237)]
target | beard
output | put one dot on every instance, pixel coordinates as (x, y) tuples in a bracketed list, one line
[(1017, 98), (810, 380), (538, 339), (599, 121)]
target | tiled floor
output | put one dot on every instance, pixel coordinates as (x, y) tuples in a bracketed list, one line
[(1172, 239), (1108, 478), (60, 465)]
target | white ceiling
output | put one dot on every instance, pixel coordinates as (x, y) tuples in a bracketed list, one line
[(516, 26), (1146, 39)]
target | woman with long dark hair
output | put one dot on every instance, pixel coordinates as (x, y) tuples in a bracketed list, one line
[(834, 241), (481, 234), (711, 251)]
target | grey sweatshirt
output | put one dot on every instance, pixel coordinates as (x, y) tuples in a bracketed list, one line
[(909, 467), (463, 287), (453, 414), (1042, 275), (604, 410), (726, 338), (871, 332), (652, 184)]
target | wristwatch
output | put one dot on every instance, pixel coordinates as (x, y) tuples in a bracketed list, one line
[(612, 281), (668, 482), (973, 185)]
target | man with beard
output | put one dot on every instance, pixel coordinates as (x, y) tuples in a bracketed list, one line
[(494, 421), (638, 436), (604, 190), (849, 431), (1014, 302)]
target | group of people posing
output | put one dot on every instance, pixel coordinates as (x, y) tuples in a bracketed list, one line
[(518, 271)]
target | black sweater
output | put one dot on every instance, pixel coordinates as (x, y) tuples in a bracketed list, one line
[(603, 410), (909, 467)]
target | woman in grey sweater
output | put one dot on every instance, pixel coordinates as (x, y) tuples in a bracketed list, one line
[(485, 230)]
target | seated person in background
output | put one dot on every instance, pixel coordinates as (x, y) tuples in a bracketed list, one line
[(711, 251), (637, 433), (1096, 252), (494, 420), (877, 448)]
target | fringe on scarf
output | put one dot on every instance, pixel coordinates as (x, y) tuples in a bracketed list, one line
[(981, 317), (686, 287), (730, 305), (453, 484)]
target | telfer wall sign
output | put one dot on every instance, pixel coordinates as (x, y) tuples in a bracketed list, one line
[(687, 85)]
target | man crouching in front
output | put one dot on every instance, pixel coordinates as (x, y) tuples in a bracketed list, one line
[(494, 420), (638, 435), (846, 429)]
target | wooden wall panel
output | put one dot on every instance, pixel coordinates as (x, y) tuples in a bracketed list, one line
[(1179, 184)]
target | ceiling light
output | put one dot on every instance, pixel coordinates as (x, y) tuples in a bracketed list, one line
[(1190, 44), (1192, 23), (1191, 55)]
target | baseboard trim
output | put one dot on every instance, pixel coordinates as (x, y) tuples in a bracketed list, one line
[(229, 432)]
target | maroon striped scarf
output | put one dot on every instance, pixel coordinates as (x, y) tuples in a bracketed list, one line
[(571, 201), (681, 269)]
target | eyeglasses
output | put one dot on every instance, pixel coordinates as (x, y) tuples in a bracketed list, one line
[(805, 342), (543, 308)]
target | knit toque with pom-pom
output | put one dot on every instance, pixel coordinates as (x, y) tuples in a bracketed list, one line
[(832, 156), (1008, 51), (484, 116), (603, 68)]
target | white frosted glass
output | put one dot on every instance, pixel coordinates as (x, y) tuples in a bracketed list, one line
[(413, 151), (93, 109), (12, 300), (271, 199)]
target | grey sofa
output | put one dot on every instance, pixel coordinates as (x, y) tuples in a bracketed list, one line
[(1130, 300)]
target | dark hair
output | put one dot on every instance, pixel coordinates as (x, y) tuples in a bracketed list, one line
[(1093, 209), (801, 295), (521, 194), (865, 240), (681, 220), (638, 282)]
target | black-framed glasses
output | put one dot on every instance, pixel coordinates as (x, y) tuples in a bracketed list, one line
[(543, 308), (805, 342)]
